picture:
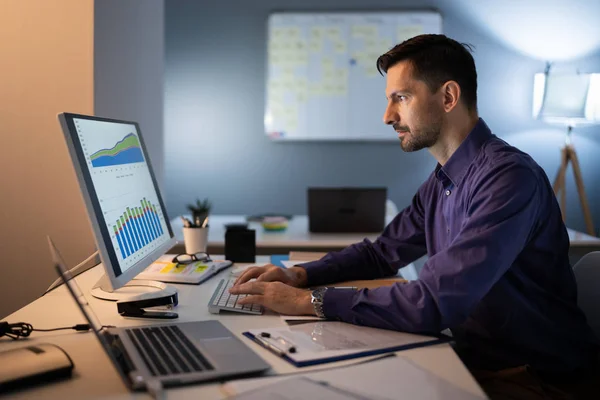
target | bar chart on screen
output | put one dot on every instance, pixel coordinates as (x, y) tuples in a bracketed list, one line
[(137, 227)]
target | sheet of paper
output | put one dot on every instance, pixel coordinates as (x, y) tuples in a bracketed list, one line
[(300, 388), (394, 377)]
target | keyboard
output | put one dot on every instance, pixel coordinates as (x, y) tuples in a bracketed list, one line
[(223, 300)]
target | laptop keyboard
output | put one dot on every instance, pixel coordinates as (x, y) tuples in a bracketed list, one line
[(223, 300), (166, 350)]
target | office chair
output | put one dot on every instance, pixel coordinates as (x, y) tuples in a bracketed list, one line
[(587, 275)]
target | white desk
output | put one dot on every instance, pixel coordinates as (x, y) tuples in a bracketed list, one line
[(297, 237), (95, 377)]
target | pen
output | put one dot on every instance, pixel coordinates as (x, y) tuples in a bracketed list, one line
[(260, 339), (186, 222), (263, 339)]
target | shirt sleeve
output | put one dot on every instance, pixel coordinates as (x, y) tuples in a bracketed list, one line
[(402, 242), (502, 215)]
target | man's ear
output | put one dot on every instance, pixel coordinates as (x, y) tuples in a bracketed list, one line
[(451, 93)]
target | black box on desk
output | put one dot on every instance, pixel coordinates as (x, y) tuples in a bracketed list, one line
[(240, 245)]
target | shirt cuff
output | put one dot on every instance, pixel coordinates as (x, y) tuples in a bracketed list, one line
[(315, 271), (337, 303)]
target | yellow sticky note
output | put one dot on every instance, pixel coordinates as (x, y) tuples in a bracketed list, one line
[(278, 33), (371, 72), (293, 33), (384, 45), (327, 63), (167, 268), (341, 74), (371, 43), (317, 32), (408, 31), (340, 47), (200, 268), (302, 59), (357, 31), (328, 75), (334, 33), (369, 31), (179, 268), (315, 45)]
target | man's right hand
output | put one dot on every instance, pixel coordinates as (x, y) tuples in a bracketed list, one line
[(295, 276)]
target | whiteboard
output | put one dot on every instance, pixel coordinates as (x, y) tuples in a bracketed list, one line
[(322, 81)]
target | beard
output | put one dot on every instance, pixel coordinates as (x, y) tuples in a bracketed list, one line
[(420, 137)]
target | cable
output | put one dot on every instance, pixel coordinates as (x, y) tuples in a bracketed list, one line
[(23, 329), (73, 271)]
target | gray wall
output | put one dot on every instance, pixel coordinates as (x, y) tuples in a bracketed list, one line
[(214, 105), (129, 68)]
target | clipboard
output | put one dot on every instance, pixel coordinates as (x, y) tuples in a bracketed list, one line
[(329, 341)]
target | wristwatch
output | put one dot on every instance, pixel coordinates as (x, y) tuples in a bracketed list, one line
[(316, 299)]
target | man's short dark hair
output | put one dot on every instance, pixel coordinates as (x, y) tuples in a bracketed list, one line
[(437, 59)]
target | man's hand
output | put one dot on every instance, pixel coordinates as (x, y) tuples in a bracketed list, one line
[(295, 276), (276, 296)]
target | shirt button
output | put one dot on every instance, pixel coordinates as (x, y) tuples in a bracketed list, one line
[(448, 192)]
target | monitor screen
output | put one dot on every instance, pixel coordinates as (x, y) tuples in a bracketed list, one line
[(120, 190)]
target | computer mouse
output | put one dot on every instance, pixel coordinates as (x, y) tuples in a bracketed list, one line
[(37, 363)]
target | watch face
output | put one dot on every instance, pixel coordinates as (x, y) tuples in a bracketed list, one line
[(317, 295)]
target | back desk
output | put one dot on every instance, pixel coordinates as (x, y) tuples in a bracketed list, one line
[(94, 376), (297, 238)]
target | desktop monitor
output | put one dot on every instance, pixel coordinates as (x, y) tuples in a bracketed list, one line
[(346, 210), (121, 195)]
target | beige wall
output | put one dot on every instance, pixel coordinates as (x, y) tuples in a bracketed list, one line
[(46, 67)]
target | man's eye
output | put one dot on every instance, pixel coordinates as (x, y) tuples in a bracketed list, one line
[(400, 97)]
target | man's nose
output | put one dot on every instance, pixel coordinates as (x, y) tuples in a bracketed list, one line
[(390, 116)]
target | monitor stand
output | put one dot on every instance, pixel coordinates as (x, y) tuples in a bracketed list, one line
[(133, 305)]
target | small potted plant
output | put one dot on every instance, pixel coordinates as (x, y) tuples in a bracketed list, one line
[(200, 211)]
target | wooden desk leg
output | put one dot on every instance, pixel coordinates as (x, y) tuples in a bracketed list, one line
[(589, 222), (559, 186)]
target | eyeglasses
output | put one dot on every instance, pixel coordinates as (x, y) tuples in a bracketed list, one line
[(190, 258)]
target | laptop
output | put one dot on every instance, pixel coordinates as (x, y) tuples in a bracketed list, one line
[(346, 210), (166, 355)]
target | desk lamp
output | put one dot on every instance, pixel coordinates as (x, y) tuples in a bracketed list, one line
[(569, 100)]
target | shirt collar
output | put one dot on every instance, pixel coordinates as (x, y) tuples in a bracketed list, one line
[(458, 162)]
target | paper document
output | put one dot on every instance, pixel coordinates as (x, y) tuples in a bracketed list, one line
[(302, 389), (390, 378), (326, 341)]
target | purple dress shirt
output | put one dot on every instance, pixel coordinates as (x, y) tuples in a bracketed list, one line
[(498, 273)]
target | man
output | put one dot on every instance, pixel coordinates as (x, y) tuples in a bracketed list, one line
[(498, 274)]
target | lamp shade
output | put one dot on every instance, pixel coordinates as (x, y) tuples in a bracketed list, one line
[(569, 99)]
